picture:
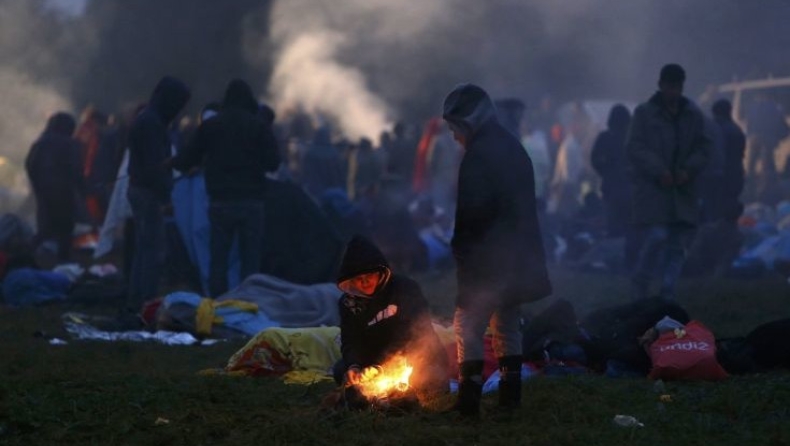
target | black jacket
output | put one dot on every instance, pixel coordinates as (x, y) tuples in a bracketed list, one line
[(237, 147), (149, 141), (54, 163), (734, 142), (609, 157), (497, 242), (395, 319)]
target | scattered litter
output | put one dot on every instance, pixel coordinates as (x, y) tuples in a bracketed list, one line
[(665, 398), (57, 341), (161, 421), (78, 328), (104, 270), (627, 421)]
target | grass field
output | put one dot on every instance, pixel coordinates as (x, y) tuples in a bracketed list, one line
[(95, 393)]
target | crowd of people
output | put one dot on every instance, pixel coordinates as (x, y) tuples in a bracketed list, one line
[(489, 188)]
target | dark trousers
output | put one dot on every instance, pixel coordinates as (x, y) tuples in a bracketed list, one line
[(55, 220), (230, 219), (149, 247)]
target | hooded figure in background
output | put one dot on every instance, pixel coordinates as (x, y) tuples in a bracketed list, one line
[(236, 148), (610, 162), (150, 186), (497, 245), (383, 314), (54, 168)]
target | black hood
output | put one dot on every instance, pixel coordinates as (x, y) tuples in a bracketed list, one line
[(239, 95), (169, 97), (619, 119), (468, 107), (361, 256), (61, 124)]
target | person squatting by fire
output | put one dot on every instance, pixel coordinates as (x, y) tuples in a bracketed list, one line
[(388, 343)]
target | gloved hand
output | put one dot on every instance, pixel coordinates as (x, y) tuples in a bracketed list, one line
[(353, 375)]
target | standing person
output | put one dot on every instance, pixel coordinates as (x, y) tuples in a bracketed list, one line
[(150, 185), (667, 149), (609, 161), (237, 148), (54, 167), (497, 245), (734, 145)]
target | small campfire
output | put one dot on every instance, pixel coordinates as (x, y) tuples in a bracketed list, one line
[(384, 388), (388, 380)]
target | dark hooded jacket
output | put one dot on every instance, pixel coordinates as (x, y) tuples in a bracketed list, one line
[(395, 319), (149, 140), (734, 144), (237, 147), (497, 242), (54, 163), (609, 157)]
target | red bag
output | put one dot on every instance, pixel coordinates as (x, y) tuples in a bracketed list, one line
[(686, 355)]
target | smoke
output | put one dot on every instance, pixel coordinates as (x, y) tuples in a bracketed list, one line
[(308, 74), (314, 63), (67, 9), (33, 83), (408, 54)]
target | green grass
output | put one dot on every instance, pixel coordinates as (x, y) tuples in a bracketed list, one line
[(87, 393)]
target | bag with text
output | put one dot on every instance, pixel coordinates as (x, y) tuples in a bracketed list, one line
[(686, 354)]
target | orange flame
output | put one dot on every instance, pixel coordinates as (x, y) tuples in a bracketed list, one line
[(379, 382)]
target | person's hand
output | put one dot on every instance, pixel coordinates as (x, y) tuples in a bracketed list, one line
[(681, 178), (353, 375), (666, 179)]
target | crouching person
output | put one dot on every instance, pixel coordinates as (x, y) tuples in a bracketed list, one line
[(382, 316)]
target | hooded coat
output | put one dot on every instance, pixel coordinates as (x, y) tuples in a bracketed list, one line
[(657, 143), (54, 167), (396, 318), (54, 163), (237, 148), (497, 242), (608, 154), (149, 140)]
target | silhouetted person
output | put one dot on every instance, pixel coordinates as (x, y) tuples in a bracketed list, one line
[(54, 167), (403, 151), (709, 181), (667, 149), (734, 147), (237, 148), (609, 161), (322, 166), (90, 133), (366, 167), (497, 245), (150, 186)]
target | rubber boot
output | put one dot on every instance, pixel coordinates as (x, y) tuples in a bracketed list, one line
[(470, 389), (510, 381)]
